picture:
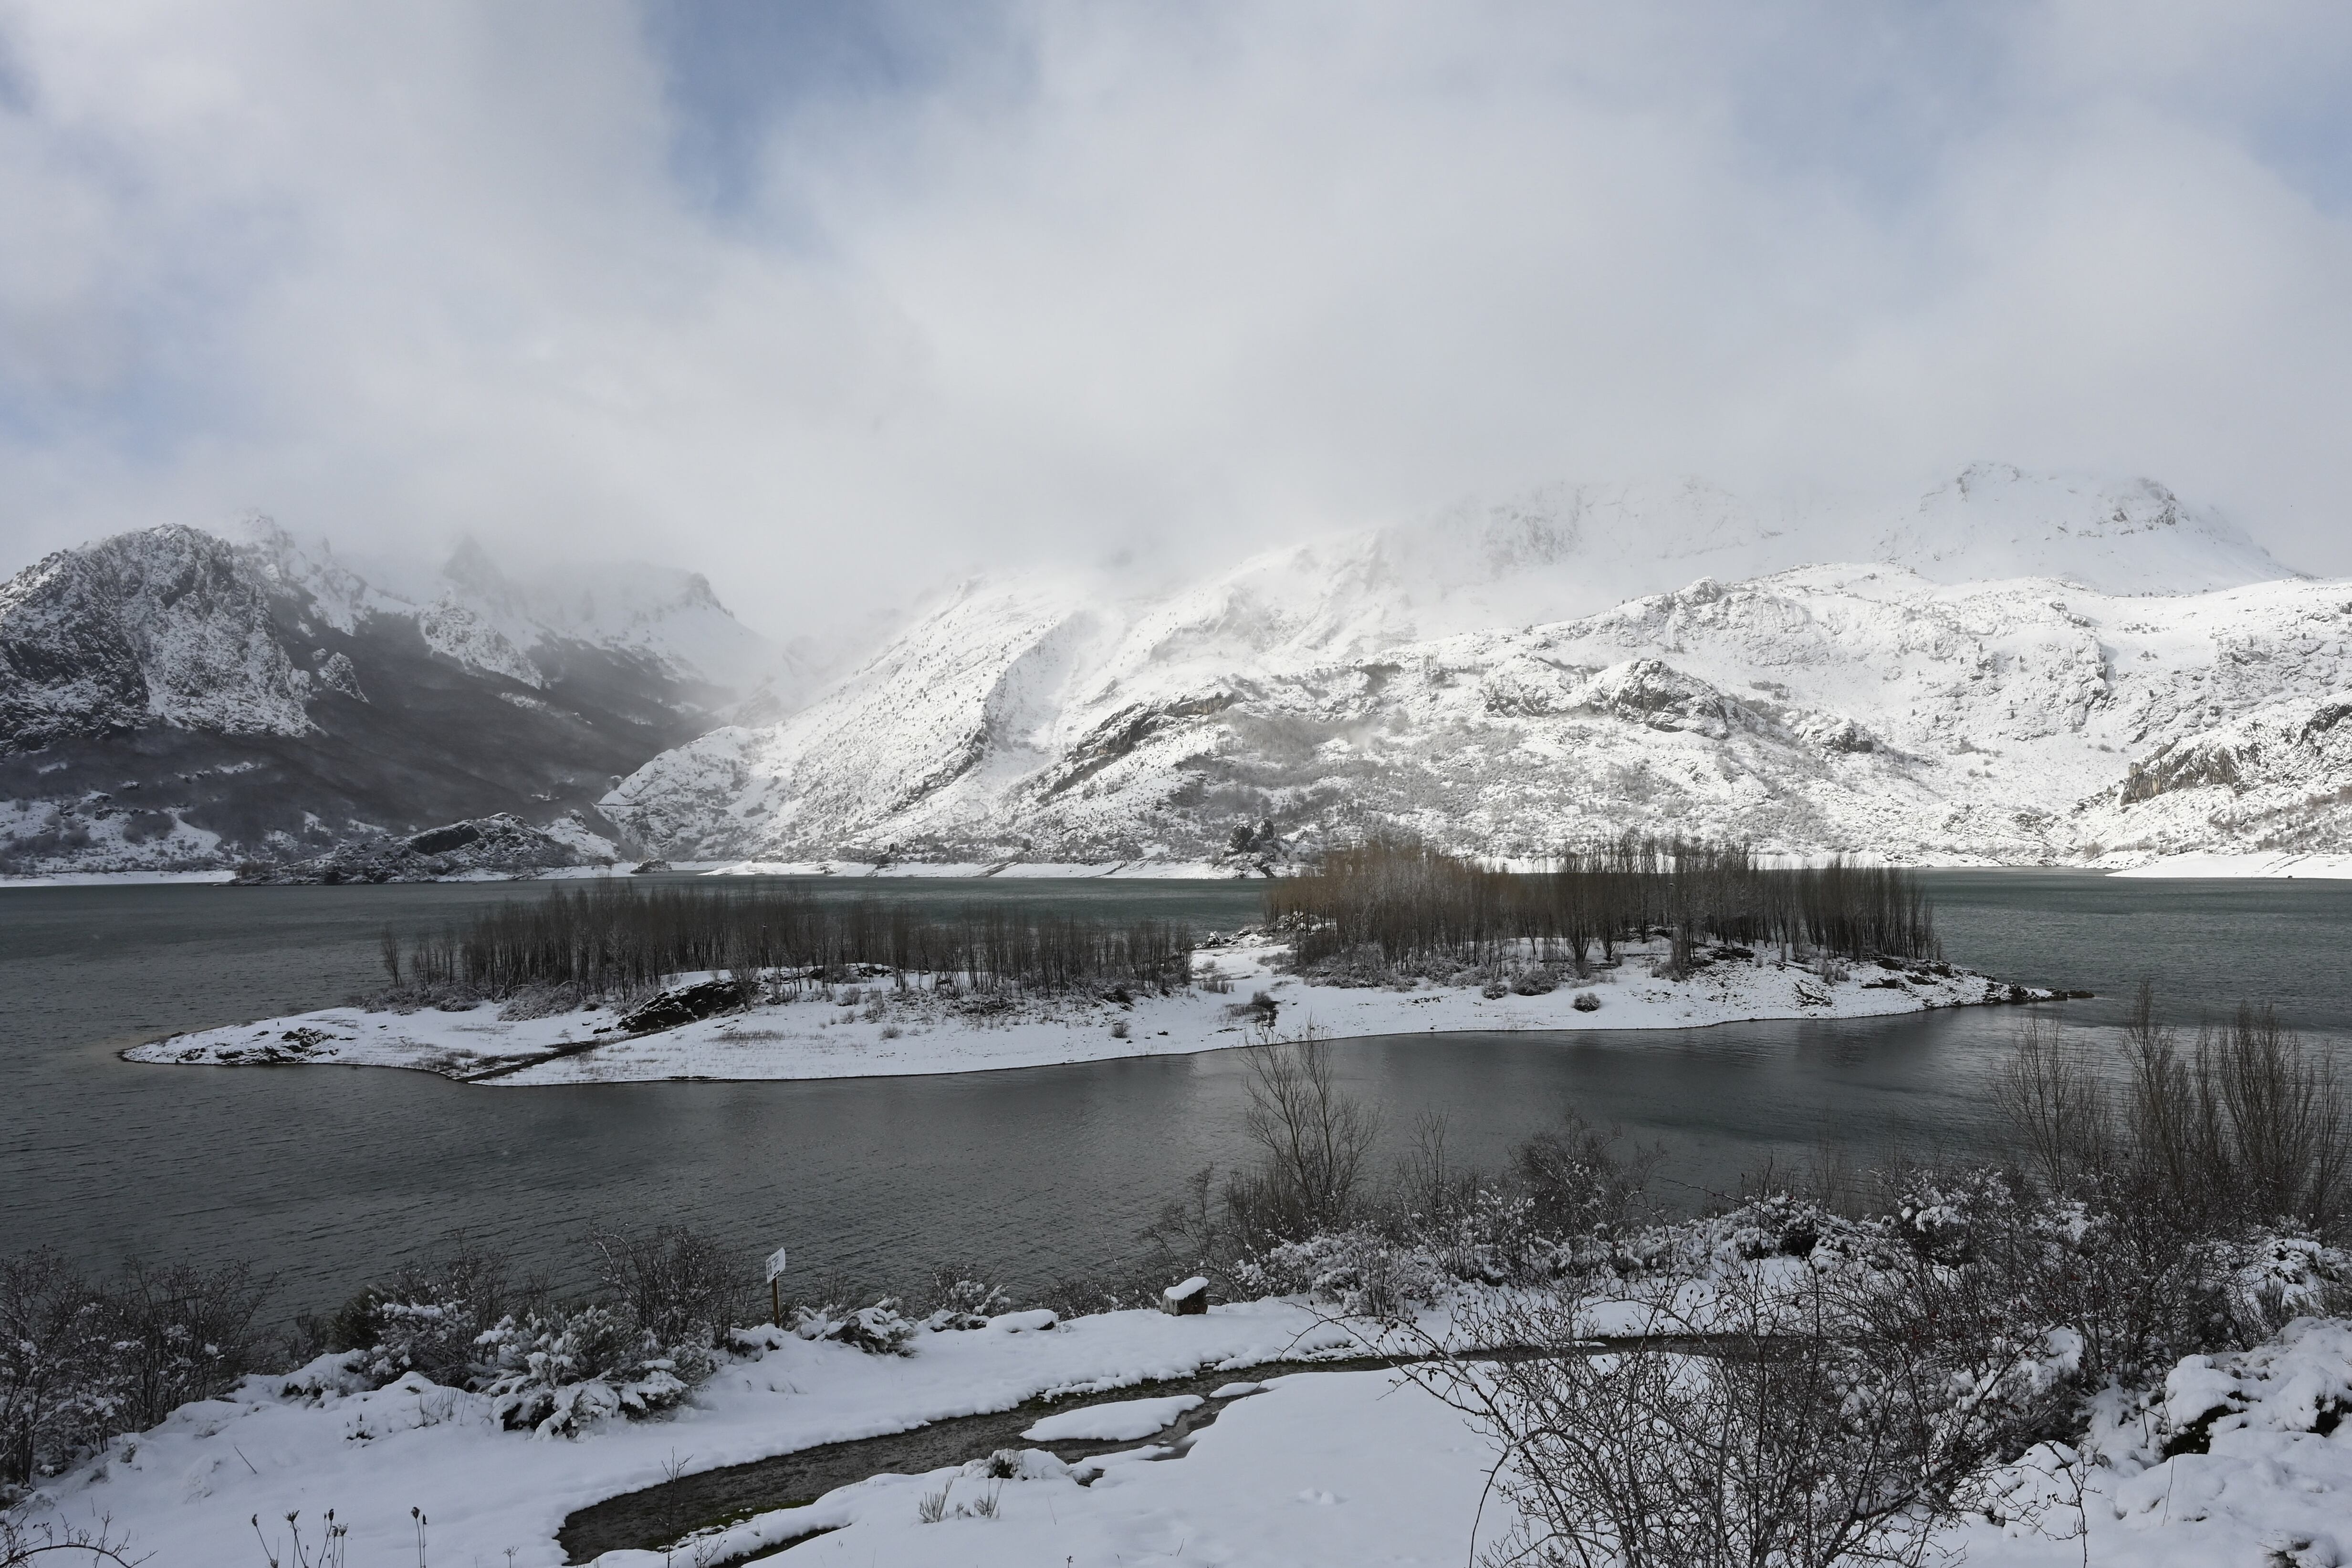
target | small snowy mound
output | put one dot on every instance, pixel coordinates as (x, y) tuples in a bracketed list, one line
[(1121, 1422)]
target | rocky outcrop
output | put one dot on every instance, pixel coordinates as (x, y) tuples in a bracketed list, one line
[(169, 628), (500, 846)]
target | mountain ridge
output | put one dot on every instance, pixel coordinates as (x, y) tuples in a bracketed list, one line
[(2008, 666), (174, 698), (1333, 687)]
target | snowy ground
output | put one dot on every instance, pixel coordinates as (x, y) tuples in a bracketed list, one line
[(2316, 866), (115, 878), (874, 1030), (1311, 1469), (189, 1487)]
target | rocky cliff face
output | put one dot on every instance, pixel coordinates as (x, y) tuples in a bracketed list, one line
[(169, 628), (174, 700), (2026, 669)]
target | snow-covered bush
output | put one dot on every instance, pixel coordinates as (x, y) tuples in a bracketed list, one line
[(558, 1370), (53, 1399), (82, 1359), (957, 1301), (427, 1320), (2276, 1278), (650, 1333), (176, 1333), (1482, 1233), (1361, 1271), (878, 1330)]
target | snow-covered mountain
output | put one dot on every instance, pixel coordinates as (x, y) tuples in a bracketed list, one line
[(2016, 668), (171, 697)]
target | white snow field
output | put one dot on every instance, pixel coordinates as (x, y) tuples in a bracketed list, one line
[(875, 1031), (1316, 1468)]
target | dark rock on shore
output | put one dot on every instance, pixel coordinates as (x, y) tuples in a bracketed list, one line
[(686, 1005)]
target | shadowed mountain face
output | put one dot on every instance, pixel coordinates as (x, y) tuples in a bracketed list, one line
[(170, 699)]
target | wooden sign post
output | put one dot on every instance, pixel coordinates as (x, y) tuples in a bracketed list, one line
[(775, 1299)]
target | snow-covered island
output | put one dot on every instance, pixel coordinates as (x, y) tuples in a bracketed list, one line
[(873, 1026)]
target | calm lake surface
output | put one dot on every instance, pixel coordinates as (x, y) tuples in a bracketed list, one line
[(324, 1176)]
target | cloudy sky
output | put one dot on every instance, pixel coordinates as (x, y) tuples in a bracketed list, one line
[(835, 300)]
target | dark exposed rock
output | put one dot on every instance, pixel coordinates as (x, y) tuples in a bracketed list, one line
[(683, 1005), (502, 845), (2186, 767)]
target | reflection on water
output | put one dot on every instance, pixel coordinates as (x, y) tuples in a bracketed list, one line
[(324, 1174)]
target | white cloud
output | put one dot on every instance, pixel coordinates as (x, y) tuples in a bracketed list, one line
[(1171, 279)]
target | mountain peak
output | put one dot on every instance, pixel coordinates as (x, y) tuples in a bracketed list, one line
[(2130, 536)]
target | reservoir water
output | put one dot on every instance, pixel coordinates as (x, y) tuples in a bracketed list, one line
[(326, 1176)]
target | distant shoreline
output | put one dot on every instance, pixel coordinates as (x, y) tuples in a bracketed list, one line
[(2193, 866), (2265, 865)]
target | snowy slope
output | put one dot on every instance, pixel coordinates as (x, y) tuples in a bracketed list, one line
[(1985, 692), (170, 699)]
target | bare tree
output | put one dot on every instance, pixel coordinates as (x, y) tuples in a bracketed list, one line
[(1315, 1138), (2050, 1093), (2284, 1114)]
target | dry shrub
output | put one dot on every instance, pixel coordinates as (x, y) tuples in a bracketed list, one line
[(1786, 1416)]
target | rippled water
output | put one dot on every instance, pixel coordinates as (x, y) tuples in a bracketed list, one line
[(323, 1175)]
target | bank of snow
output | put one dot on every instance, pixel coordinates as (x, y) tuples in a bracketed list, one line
[(118, 878), (2333, 867), (877, 1031), (281, 1444), (1309, 1468)]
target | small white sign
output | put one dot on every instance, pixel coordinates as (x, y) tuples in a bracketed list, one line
[(775, 1265)]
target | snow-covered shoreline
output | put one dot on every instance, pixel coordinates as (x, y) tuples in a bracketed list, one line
[(2270, 865), (875, 1030), (1309, 1469), (120, 880), (998, 871)]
